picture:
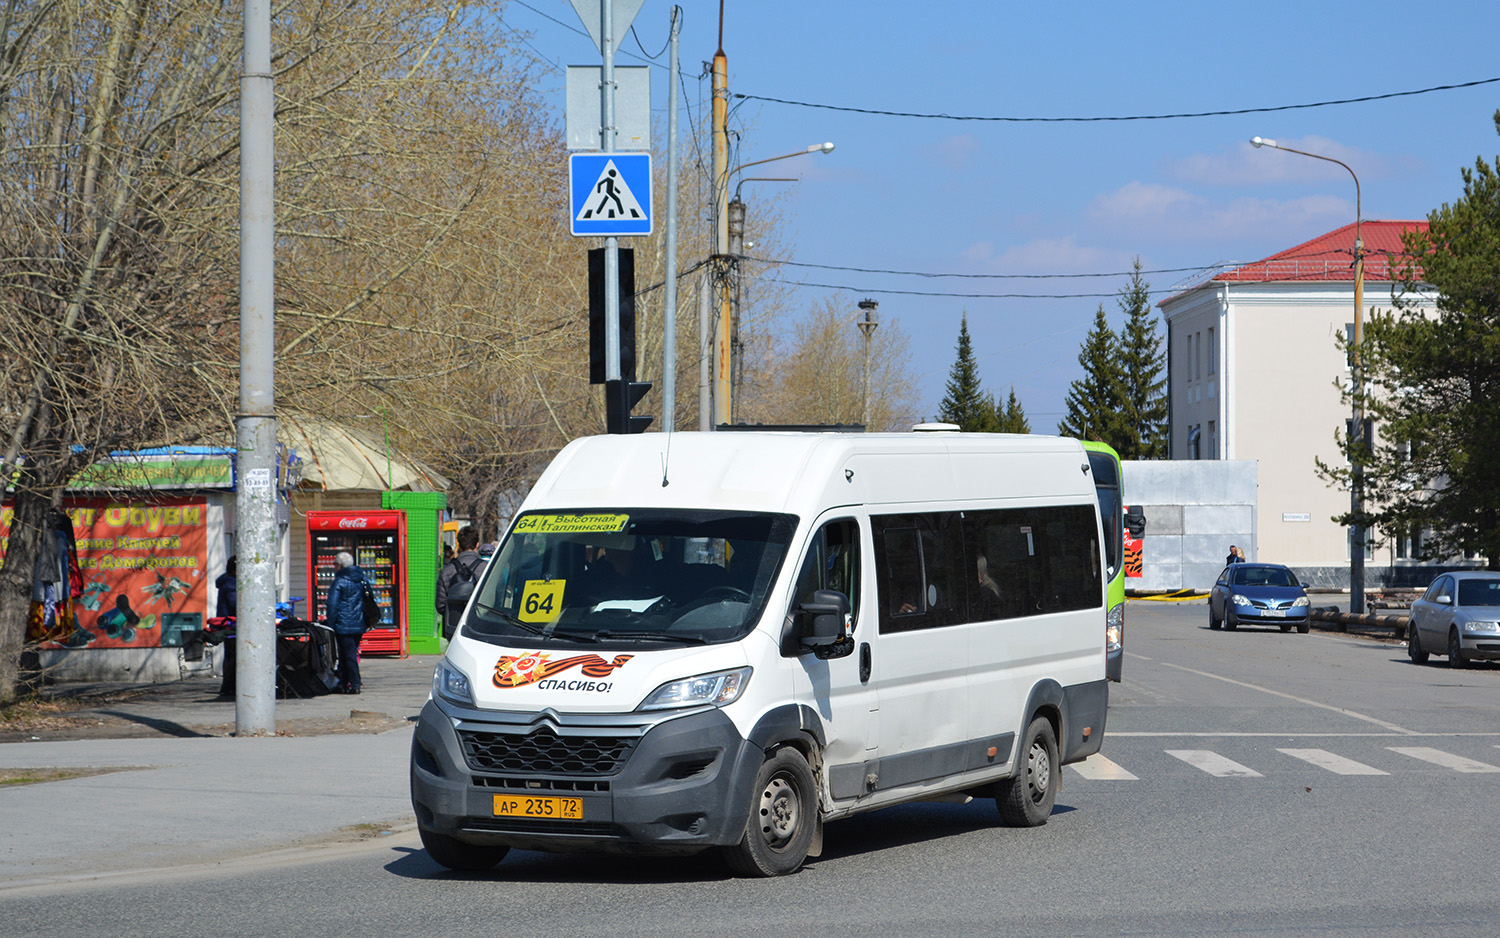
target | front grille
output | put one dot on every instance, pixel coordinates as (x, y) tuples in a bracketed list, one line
[(534, 785), (506, 825), (544, 752)]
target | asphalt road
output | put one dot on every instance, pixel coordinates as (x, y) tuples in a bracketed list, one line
[(1256, 783)]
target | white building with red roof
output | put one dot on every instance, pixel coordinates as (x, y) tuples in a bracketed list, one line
[(1254, 370)]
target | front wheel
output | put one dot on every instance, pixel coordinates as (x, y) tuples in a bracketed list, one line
[(1456, 657), (1414, 645), (459, 856), (783, 818), (1213, 621), (1026, 800)]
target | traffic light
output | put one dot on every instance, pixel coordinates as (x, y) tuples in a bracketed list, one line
[(596, 314), (619, 397)]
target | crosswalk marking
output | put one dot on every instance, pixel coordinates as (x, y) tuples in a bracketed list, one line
[(1444, 759), (1213, 763), (1324, 759), (1098, 767)]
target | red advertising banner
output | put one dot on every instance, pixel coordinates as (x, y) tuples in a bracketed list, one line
[(143, 562)]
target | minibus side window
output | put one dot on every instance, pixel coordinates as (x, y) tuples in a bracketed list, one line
[(832, 563), (917, 556), (1030, 561)]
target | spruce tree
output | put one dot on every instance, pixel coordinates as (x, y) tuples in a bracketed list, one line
[(1010, 418), (1095, 401), (965, 404), (1143, 373)]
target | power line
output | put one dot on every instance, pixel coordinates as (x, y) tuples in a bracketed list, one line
[(929, 273), (1130, 117), (968, 296)]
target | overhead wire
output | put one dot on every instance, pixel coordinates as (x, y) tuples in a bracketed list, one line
[(1118, 117)]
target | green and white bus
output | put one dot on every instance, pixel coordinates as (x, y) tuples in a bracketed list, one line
[(1104, 466)]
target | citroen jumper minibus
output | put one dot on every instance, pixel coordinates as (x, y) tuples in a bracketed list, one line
[(723, 640)]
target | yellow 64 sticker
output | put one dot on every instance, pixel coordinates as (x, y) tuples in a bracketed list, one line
[(541, 600)]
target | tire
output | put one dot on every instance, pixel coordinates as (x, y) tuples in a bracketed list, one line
[(459, 856), (1230, 622), (1456, 657), (1026, 800), (1286, 626), (783, 818), (1304, 626), (1214, 621), (1414, 645)]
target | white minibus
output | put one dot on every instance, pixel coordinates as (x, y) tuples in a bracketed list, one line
[(724, 640)]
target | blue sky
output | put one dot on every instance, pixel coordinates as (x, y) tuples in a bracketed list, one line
[(985, 197)]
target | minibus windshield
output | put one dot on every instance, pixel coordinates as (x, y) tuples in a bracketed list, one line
[(630, 576)]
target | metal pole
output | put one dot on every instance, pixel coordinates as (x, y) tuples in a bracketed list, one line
[(255, 425), (669, 314), (607, 144), (705, 353)]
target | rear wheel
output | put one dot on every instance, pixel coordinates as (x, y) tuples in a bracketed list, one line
[(1286, 626), (1414, 645), (783, 818), (1026, 800), (1456, 657), (459, 856)]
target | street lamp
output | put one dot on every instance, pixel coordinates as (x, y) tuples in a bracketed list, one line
[(726, 273), (1357, 440)]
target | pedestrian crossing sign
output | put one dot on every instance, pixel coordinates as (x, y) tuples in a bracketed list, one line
[(611, 194)]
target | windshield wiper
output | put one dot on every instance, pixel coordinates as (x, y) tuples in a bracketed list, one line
[(509, 619)]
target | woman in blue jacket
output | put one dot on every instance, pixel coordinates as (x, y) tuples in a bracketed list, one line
[(346, 616)]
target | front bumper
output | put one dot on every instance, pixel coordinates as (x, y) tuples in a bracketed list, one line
[(648, 783)]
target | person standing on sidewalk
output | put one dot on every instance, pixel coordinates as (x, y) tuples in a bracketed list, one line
[(456, 582), (346, 616)]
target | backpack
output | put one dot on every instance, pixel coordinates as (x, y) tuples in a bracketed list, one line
[(371, 607), (462, 586)]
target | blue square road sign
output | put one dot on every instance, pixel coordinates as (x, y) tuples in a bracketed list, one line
[(610, 194)]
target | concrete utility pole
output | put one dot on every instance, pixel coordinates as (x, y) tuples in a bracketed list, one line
[(669, 312), (867, 324), (255, 426)]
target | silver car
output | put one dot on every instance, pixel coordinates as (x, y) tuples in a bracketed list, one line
[(1458, 616)]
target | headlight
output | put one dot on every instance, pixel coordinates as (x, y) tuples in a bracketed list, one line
[(1114, 627), (1241, 600), (1479, 626), (1299, 601), (716, 690), (451, 684)]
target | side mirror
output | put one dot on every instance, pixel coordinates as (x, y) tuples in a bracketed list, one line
[(821, 622), (1445, 599)]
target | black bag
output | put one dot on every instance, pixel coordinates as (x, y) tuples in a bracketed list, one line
[(462, 587), (371, 607)]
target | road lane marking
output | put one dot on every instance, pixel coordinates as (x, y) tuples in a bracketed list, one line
[(1098, 767), (1302, 700), (1213, 763), (1445, 759), (1324, 759)]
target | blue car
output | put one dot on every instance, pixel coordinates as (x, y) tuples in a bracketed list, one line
[(1258, 594)]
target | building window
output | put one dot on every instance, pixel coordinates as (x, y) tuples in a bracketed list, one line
[(1369, 545), (1213, 440), (1195, 442), (1348, 346), (1213, 353)]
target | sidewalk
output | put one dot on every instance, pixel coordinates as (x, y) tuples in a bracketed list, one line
[(184, 793)]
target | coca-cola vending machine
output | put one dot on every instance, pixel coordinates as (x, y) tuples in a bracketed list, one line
[(377, 541)]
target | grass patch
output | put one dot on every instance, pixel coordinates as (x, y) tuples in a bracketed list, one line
[(36, 776)]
